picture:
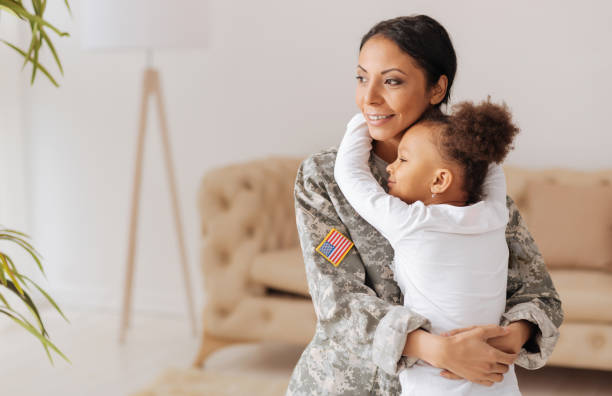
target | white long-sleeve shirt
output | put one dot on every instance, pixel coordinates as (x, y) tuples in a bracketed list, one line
[(450, 262)]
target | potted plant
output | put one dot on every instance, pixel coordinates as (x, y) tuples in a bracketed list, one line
[(38, 26), (21, 286), (14, 285)]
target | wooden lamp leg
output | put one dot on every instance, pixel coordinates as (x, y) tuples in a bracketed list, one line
[(151, 86), (175, 204), (142, 127)]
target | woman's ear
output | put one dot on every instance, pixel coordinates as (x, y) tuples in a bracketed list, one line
[(443, 178), (438, 91)]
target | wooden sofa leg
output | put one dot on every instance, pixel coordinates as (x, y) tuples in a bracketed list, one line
[(209, 345)]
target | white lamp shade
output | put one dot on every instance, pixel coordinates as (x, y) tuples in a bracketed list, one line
[(143, 24)]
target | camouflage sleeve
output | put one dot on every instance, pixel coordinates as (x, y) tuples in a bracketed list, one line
[(349, 312), (531, 294)]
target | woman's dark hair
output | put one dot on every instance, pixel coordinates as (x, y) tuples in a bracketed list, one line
[(426, 41), (474, 136)]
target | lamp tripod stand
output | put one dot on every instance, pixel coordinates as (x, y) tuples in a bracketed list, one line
[(151, 87)]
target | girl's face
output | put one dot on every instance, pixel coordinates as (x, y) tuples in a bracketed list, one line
[(392, 90), (411, 175)]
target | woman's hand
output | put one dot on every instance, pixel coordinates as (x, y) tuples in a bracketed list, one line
[(466, 354), (512, 342)]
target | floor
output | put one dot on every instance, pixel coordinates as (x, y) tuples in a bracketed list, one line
[(101, 367)]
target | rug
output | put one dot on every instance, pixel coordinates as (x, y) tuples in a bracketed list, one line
[(195, 382)]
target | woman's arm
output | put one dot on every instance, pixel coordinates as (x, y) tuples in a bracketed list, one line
[(391, 216), (348, 311), (531, 295), (465, 355)]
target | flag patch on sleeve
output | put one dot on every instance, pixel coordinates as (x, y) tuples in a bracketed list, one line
[(334, 247)]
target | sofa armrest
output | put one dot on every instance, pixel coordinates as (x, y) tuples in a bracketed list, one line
[(245, 209)]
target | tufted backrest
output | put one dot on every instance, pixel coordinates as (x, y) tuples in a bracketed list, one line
[(245, 209), (517, 179)]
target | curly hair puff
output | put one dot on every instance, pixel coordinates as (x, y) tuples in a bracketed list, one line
[(474, 136)]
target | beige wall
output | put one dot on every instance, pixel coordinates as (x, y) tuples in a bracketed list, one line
[(278, 78)]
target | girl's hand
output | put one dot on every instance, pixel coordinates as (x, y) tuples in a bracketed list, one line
[(518, 333), (465, 354)]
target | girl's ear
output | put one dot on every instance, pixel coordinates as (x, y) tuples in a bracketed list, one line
[(438, 91), (443, 178)]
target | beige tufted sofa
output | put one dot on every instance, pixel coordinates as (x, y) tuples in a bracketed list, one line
[(254, 278)]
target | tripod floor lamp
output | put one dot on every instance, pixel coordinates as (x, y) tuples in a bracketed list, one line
[(146, 25)]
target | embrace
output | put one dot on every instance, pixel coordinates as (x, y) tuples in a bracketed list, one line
[(423, 275)]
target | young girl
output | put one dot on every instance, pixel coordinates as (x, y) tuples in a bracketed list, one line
[(445, 217)]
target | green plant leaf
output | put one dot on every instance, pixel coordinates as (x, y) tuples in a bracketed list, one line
[(10, 273), (47, 297), (17, 274), (2, 275), (53, 51), (46, 342), (20, 10), (42, 69), (36, 50), (30, 304), (11, 7), (6, 230), (39, 36), (22, 237), (19, 319), (26, 246), (37, 5), (10, 11), (4, 301)]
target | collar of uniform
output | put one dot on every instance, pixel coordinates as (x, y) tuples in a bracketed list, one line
[(379, 169)]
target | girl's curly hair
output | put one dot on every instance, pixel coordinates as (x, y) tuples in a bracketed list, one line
[(474, 136)]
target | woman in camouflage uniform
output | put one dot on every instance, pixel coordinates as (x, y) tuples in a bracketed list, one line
[(364, 336)]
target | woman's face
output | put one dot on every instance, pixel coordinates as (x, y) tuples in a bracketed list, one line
[(392, 90)]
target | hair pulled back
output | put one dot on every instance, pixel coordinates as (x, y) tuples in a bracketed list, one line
[(426, 41), (475, 136)]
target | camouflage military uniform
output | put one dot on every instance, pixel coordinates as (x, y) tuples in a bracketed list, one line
[(362, 325)]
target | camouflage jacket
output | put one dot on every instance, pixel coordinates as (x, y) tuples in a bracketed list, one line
[(362, 325)]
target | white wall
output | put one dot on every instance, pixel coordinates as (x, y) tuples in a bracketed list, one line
[(278, 78)]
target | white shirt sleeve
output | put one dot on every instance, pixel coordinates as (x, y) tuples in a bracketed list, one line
[(494, 185), (391, 216)]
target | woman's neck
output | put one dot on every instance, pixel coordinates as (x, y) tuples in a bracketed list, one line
[(386, 150)]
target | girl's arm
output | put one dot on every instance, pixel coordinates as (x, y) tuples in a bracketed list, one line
[(494, 186), (392, 217)]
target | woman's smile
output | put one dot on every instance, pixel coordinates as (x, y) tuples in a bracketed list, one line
[(378, 119)]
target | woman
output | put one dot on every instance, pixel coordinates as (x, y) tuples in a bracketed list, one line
[(364, 336)]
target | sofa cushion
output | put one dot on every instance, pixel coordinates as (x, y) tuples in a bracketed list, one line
[(285, 319), (583, 345), (281, 269), (586, 295), (572, 225)]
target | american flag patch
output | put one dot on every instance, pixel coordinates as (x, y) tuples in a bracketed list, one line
[(334, 247)]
